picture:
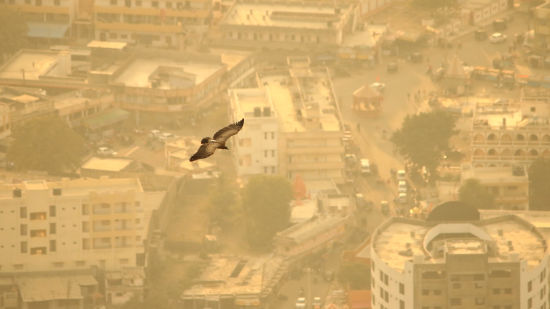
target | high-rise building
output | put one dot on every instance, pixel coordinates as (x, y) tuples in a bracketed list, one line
[(74, 224), (455, 260)]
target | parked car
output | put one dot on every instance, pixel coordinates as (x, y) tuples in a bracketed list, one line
[(301, 303), (401, 175), (392, 67), (106, 151), (480, 34), (317, 304), (378, 86), (402, 198), (365, 166), (402, 186), (497, 37)]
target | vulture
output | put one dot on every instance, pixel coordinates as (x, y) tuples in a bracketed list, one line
[(209, 145)]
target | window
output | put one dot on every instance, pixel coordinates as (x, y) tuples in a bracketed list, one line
[(53, 245), (53, 228), (530, 303), (272, 135), (401, 304), (496, 291), (265, 153), (52, 210), (23, 247), (437, 292), (128, 3), (155, 4), (168, 5), (57, 2), (265, 135), (425, 292), (401, 288), (38, 2), (80, 263), (480, 301), (23, 229), (38, 233), (23, 212), (85, 209), (113, 2), (456, 301), (543, 275), (138, 2), (38, 216), (457, 285), (507, 291), (529, 286)]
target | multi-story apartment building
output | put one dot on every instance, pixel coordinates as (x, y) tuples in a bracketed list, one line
[(47, 19), (506, 133), (508, 184), (542, 27), (162, 23), (308, 136), (74, 224), (256, 151), (287, 25), (445, 262)]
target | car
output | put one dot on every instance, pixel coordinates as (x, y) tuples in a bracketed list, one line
[(497, 37), (402, 198), (401, 175), (301, 303), (365, 166), (402, 186), (392, 67), (154, 133), (317, 304), (378, 86), (106, 151)]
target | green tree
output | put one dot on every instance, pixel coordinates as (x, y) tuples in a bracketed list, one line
[(539, 184), (266, 205), (223, 201), (13, 31), (356, 276), (423, 138), (473, 193), (46, 144)]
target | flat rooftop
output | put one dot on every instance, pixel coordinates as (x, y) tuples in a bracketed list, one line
[(312, 17), (316, 90), (248, 99), (34, 63), (106, 164), (511, 234), (139, 71), (493, 175)]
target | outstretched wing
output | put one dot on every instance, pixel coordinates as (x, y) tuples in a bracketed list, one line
[(205, 151), (222, 135)]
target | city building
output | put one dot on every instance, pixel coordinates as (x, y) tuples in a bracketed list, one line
[(508, 133), (235, 282), (158, 23), (124, 284), (508, 184), (75, 107), (22, 104), (74, 224), (542, 27), (46, 19), (455, 259), (284, 25), (307, 135), (256, 151), (479, 11)]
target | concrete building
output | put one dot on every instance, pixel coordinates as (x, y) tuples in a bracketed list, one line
[(509, 185), (285, 25), (46, 19), (158, 23), (508, 133), (542, 27), (256, 151), (455, 260), (74, 224), (475, 12), (309, 136), (124, 284), (76, 106)]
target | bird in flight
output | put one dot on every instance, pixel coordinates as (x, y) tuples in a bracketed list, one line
[(209, 145)]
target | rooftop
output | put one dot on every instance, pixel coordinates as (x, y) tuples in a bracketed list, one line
[(299, 95), (166, 73), (30, 64), (311, 228), (511, 235), (301, 16), (106, 164), (47, 288), (493, 175), (252, 102)]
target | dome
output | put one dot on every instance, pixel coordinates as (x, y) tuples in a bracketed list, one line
[(454, 211)]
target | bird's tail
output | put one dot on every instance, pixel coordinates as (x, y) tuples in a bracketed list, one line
[(223, 147)]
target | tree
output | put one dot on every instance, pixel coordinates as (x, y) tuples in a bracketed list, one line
[(46, 144), (222, 203), (13, 31), (354, 275), (423, 138), (474, 194), (266, 204), (539, 184)]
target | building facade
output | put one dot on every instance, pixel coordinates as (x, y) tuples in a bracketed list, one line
[(499, 262), (159, 23), (74, 224)]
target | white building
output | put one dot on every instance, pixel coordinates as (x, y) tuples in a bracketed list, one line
[(443, 262), (256, 151), (74, 224)]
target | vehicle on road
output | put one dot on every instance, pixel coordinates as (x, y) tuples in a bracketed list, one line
[(380, 87), (365, 166), (402, 186), (301, 303), (392, 67), (497, 37), (317, 303), (401, 175), (402, 198)]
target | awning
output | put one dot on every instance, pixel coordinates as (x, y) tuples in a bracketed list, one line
[(46, 30), (106, 118)]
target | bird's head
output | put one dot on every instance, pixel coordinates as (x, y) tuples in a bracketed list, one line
[(205, 140)]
